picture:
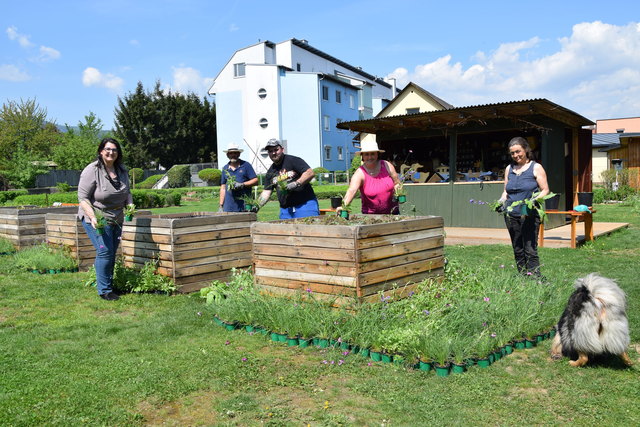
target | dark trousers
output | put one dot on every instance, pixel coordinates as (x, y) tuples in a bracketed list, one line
[(524, 239)]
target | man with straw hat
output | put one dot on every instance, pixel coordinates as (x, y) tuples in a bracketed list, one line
[(237, 179), (377, 181)]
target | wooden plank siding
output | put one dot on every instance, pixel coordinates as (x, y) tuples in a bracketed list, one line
[(347, 261), (25, 226), (193, 249)]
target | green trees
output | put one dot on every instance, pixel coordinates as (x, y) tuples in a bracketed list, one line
[(26, 137), (79, 147), (164, 128)]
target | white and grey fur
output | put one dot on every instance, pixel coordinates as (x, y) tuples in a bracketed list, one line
[(594, 322)]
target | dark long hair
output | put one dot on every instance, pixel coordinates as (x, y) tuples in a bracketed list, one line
[(118, 162), (518, 140)]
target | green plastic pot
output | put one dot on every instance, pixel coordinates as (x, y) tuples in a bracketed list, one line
[(315, 341), (376, 356), (508, 349), (249, 328), (530, 343), (425, 365), (458, 368), (99, 231), (323, 343), (274, 337), (484, 362), (364, 352), (128, 218), (344, 214), (386, 358), (355, 349), (292, 341), (344, 346), (230, 326), (442, 370), (402, 198), (304, 342), (520, 344), (497, 355)]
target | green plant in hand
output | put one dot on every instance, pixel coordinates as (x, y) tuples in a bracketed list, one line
[(130, 210), (533, 203), (101, 221)]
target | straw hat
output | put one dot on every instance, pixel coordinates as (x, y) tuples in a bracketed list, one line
[(233, 147), (369, 147)]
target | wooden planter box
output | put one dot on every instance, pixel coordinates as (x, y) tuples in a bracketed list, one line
[(25, 226), (193, 248), (67, 230), (348, 260)]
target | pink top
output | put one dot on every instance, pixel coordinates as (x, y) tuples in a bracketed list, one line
[(376, 192)]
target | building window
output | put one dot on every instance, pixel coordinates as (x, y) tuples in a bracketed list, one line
[(238, 69), (413, 110), (327, 152), (352, 102), (338, 97), (339, 153), (325, 93), (326, 123), (298, 67), (262, 93), (263, 123)]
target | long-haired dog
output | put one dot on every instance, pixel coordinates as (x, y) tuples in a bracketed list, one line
[(594, 322)]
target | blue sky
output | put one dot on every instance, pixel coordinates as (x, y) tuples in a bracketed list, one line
[(79, 56)]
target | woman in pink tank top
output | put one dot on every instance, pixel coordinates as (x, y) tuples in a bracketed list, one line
[(376, 179)]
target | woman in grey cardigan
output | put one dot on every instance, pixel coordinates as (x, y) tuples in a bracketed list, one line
[(104, 188)]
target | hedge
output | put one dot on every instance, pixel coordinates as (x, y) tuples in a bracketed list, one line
[(143, 199), (179, 176), (44, 199), (9, 195), (210, 176), (149, 182)]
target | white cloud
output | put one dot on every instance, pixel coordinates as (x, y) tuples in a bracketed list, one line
[(233, 28), (13, 74), (93, 77), (187, 79), (134, 42), (23, 41), (592, 71), (48, 54)]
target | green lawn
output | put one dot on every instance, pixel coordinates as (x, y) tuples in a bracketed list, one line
[(70, 358)]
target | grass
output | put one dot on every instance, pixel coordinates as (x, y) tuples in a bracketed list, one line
[(69, 358)]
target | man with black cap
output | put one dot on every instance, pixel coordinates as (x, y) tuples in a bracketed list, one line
[(290, 176), (237, 179)]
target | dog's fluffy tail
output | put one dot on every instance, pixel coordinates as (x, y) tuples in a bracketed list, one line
[(602, 326)]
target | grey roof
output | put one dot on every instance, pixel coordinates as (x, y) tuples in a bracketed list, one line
[(305, 45), (601, 140)]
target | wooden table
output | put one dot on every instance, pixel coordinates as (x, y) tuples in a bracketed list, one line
[(586, 217), (327, 211)]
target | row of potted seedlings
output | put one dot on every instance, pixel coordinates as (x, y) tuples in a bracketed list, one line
[(421, 364)]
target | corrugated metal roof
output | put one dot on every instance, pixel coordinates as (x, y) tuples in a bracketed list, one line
[(460, 116), (600, 140)]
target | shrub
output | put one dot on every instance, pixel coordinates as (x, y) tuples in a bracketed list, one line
[(63, 187), (149, 182), (320, 170), (172, 198), (210, 176), (45, 199), (6, 247), (179, 176), (136, 175), (8, 196), (355, 164)]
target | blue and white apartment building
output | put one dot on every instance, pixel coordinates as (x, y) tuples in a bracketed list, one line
[(295, 93)]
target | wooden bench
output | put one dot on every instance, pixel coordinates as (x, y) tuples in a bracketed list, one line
[(327, 211), (586, 217)]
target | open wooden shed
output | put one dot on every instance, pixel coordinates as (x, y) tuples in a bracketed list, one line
[(474, 139)]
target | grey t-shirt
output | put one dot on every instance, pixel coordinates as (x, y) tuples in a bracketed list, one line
[(95, 187)]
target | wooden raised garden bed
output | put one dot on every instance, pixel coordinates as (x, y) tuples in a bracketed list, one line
[(193, 248), (67, 230), (332, 257), (25, 226)]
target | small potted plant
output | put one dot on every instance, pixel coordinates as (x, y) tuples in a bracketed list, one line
[(399, 194), (101, 221), (129, 212), (344, 213), (249, 202), (532, 204)]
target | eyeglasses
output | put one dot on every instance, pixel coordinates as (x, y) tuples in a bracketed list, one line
[(111, 150)]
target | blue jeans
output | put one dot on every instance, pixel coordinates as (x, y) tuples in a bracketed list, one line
[(106, 247), (309, 208)]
